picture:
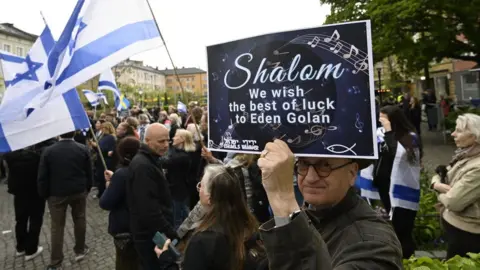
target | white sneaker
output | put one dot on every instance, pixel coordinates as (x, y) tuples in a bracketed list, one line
[(31, 257), (81, 256), (18, 254)]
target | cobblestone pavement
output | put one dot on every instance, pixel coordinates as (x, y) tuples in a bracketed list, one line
[(102, 251)]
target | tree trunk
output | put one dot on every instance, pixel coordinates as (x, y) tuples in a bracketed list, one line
[(427, 77)]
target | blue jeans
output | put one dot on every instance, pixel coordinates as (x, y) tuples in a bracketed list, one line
[(180, 212)]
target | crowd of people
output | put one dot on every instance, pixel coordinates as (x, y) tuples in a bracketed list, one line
[(152, 172)]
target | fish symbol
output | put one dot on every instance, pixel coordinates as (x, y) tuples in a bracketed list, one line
[(342, 149)]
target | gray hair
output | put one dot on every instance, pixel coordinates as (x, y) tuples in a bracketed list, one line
[(213, 170), (470, 123), (143, 119), (175, 119)]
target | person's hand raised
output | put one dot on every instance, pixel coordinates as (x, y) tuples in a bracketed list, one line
[(108, 175), (276, 163)]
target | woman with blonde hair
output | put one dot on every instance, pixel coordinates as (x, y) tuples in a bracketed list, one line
[(175, 123), (177, 164), (107, 145), (458, 186)]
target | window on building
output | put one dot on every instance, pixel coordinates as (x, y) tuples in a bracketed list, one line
[(470, 85), (169, 80), (20, 51), (204, 77), (193, 86), (7, 48), (205, 86)]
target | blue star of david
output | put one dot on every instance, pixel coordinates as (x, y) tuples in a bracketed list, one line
[(30, 74), (73, 42)]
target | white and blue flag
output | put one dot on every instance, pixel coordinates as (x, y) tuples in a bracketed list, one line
[(181, 107), (94, 98), (24, 77), (107, 82), (98, 35)]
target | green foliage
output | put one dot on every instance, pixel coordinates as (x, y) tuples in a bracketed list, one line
[(471, 262), (450, 120), (427, 229), (435, 25)]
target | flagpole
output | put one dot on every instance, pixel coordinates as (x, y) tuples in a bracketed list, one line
[(98, 148), (43, 17), (168, 52), (175, 71)]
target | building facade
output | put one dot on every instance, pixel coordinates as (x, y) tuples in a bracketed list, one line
[(193, 80), (136, 74), (15, 41)]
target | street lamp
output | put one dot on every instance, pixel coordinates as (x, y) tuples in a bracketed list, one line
[(379, 67), (141, 97)]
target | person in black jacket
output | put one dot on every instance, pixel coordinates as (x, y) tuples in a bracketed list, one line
[(149, 198), (177, 164), (29, 206), (65, 177), (114, 199)]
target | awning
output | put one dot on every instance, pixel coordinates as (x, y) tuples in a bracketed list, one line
[(475, 68)]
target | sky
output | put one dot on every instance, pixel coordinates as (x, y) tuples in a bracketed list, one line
[(188, 26)]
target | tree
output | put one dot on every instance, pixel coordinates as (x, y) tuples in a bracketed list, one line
[(416, 31)]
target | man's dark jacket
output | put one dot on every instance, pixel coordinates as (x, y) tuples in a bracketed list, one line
[(148, 195), (23, 168), (349, 235), (65, 169)]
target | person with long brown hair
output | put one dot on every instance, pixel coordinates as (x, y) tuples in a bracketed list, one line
[(219, 242)]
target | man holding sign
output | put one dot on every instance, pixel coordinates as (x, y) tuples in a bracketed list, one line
[(337, 231), (312, 92)]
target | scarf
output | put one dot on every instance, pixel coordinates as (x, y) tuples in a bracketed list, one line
[(466, 152)]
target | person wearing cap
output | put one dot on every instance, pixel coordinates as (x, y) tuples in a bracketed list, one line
[(335, 229)]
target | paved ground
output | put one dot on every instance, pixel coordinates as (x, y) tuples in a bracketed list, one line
[(102, 253), (436, 150)]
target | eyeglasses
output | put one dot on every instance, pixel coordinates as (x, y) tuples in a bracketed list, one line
[(323, 169)]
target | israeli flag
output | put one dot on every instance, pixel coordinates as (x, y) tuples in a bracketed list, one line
[(98, 35), (94, 98), (24, 77), (107, 82), (181, 108), (61, 115), (364, 182)]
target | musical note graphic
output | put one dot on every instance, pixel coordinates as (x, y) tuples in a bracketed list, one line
[(335, 36), (354, 90), (358, 123), (297, 140), (318, 130), (231, 124), (342, 148), (225, 57), (360, 65), (314, 42), (281, 138), (353, 49), (215, 76), (275, 126), (337, 47), (279, 53)]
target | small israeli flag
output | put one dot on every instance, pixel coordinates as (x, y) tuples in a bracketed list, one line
[(107, 82)]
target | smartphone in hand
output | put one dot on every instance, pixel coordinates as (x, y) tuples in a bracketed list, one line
[(159, 239)]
